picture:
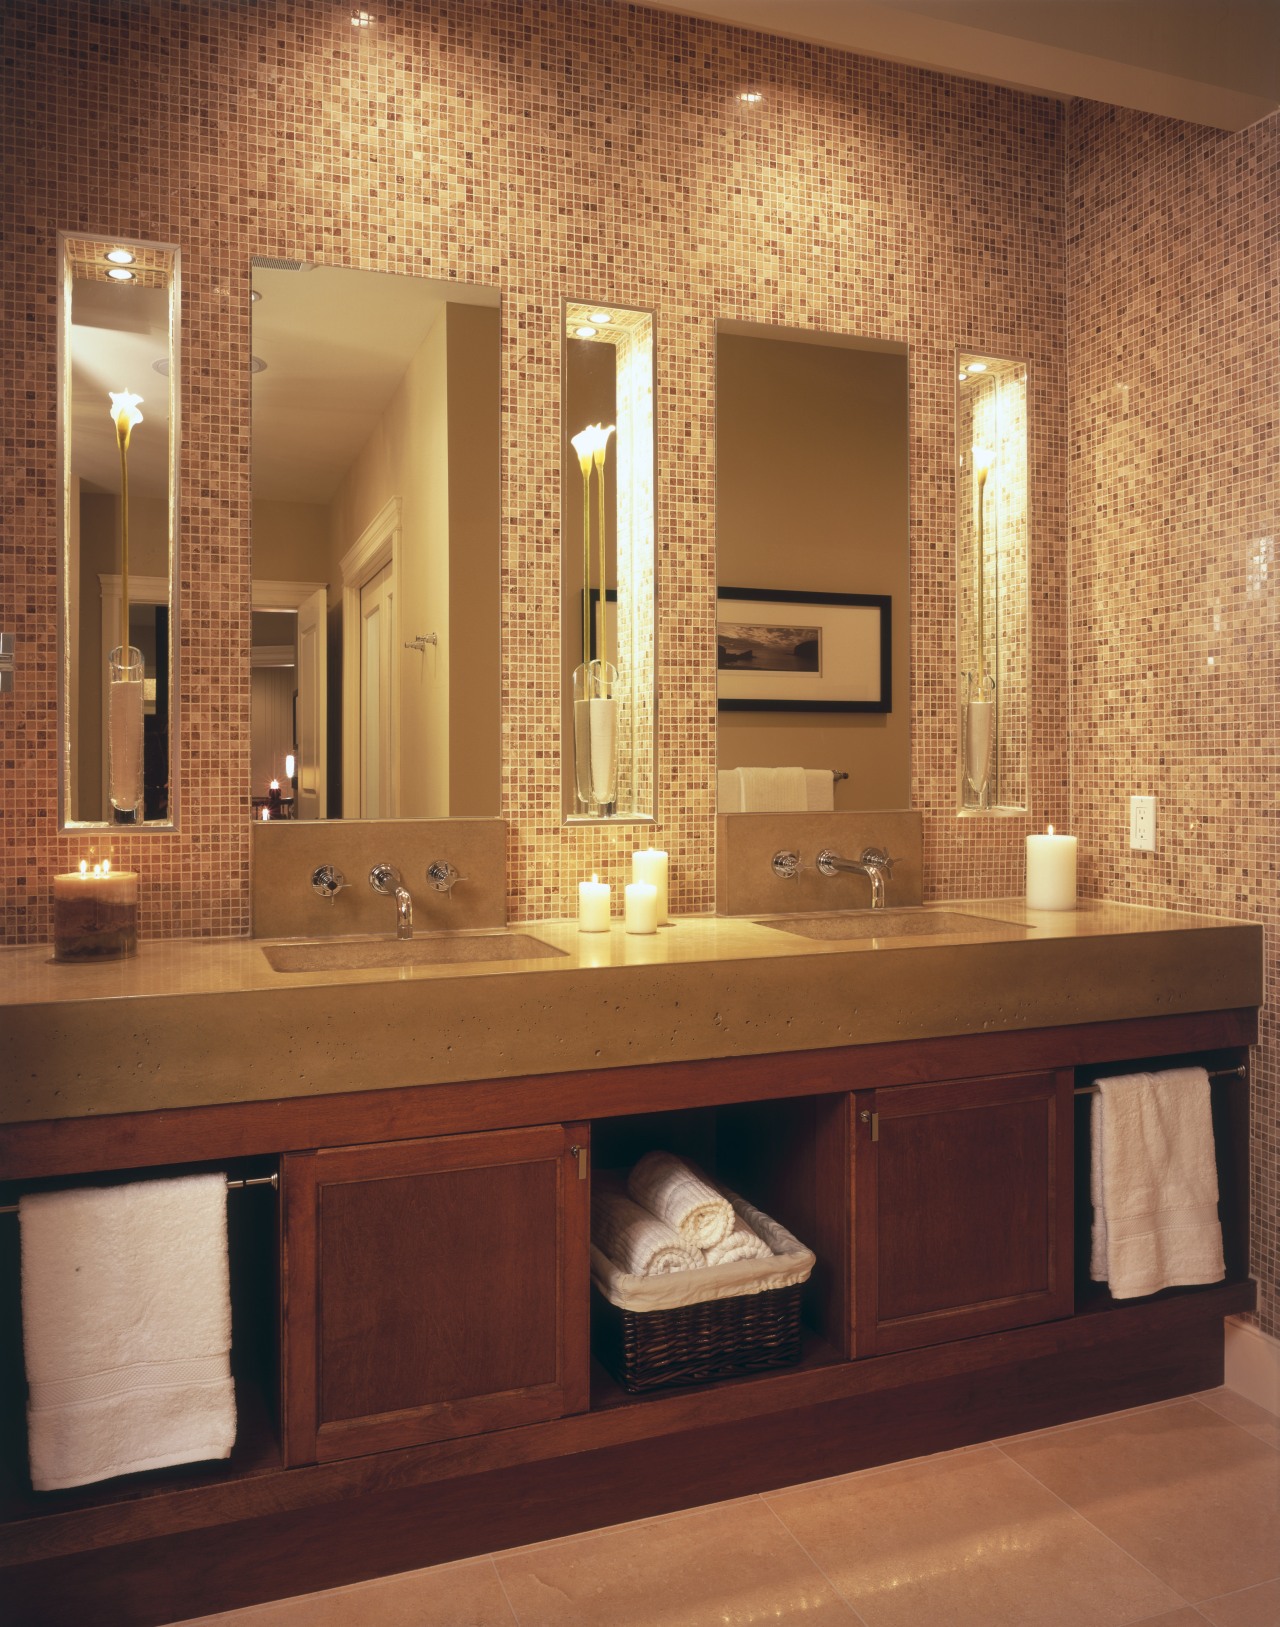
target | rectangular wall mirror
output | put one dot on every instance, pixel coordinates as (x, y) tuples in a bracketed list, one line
[(991, 585), (608, 679), (117, 426), (375, 684), (813, 570)]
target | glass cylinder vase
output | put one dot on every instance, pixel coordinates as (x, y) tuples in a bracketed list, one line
[(126, 671), (595, 736), (979, 740)]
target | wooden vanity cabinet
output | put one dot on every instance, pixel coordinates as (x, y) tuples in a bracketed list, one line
[(432, 1289), (963, 1209)]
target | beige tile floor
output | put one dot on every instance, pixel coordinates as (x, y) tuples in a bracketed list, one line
[(1165, 1516)]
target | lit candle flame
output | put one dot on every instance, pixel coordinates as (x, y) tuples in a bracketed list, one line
[(84, 867), (106, 867), (1050, 830)]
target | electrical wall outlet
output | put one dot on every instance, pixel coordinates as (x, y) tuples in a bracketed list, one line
[(1142, 824)]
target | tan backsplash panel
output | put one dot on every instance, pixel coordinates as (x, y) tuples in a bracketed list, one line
[(555, 150), (286, 852), (746, 844)]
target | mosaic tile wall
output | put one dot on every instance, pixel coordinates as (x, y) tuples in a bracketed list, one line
[(1174, 338), (552, 150)]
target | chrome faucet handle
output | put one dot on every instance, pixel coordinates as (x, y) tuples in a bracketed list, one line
[(385, 878), (786, 865), (442, 876), (328, 881)]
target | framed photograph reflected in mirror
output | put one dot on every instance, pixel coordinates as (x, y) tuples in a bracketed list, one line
[(783, 651)]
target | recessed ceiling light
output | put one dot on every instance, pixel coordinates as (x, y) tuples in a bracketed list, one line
[(255, 294), (602, 316), (119, 257), (584, 332), (751, 97), (257, 365), (119, 274), (963, 377), (161, 365), (977, 367)]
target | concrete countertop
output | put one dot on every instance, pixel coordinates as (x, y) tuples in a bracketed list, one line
[(194, 1022)]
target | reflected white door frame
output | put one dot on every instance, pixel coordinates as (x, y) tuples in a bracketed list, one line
[(308, 601), (377, 549)]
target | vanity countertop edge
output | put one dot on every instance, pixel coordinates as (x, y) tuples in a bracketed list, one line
[(190, 1023)]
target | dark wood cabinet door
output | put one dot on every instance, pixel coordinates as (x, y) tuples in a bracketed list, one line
[(963, 1209), (433, 1289)]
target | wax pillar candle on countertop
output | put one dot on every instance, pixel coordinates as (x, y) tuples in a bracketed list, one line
[(593, 905), (1051, 872), (641, 907), (95, 913), (650, 865)]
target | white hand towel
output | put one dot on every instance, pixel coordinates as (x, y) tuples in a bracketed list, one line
[(729, 791), (819, 790), (635, 1240), (773, 790), (126, 1328), (1154, 1183), (741, 1243), (674, 1191)]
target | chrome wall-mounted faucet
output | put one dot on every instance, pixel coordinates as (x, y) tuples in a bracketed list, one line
[(385, 879), (874, 864)]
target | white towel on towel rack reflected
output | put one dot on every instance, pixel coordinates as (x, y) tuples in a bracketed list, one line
[(126, 1328), (1154, 1183)]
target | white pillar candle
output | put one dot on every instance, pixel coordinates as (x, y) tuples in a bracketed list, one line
[(641, 907), (1051, 872), (651, 865), (593, 905)]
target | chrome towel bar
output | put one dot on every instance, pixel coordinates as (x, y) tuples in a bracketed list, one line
[(233, 1185), (1218, 1073)]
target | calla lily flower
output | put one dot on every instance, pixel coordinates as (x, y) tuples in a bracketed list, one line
[(124, 415), (583, 443), (602, 443)]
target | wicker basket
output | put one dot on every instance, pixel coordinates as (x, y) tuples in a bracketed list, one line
[(693, 1344), (695, 1326)]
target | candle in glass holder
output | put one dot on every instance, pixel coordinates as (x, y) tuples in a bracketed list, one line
[(95, 913)]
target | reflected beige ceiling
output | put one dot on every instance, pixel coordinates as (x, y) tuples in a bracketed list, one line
[(336, 343), (1214, 62)]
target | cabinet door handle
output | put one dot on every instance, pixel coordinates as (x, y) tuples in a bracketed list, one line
[(873, 1119), (580, 1153)]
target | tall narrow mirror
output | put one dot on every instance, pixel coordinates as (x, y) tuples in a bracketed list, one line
[(375, 685), (991, 587), (813, 570), (117, 423), (607, 603)]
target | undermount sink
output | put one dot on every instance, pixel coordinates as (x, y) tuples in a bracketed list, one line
[(432, 949), (903, 923)]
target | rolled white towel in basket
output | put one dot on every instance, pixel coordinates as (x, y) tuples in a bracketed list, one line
[(635, 1240), (674, 1191), (741, 1244)]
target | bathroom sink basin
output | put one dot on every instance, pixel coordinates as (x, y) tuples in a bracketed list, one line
[(905, 923), (431, 949)]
